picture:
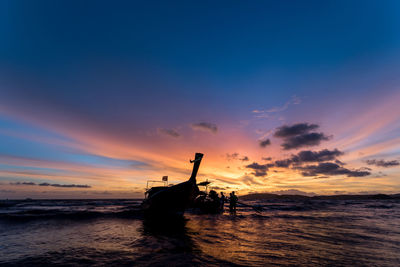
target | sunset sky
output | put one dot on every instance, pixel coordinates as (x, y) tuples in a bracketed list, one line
[(97, 97)]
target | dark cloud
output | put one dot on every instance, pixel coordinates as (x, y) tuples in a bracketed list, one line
[(295, 129), (205, 126), (245, 158), (339, 162), (299, 135), (54, 185), (324, 168), (317, 156), (23, 183), (259, 170), (169, 132), (329, 168), (27, 183), (365, 169), (283, 163), (264, 143), (321, 177), (321, 170), (267, 158), (304, 140), (66, 185), (383, 163), (306, 156), (235, 156), (232, 156)]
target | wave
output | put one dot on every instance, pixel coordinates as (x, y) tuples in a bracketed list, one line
[(119, 208), (68, 209), (73, 215)]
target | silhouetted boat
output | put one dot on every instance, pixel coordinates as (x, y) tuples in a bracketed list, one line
[(173, 200)]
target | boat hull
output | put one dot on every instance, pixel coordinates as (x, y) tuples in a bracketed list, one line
[(172, 200), (175, 199)]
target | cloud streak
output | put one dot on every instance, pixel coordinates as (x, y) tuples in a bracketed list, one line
[(53, 185), (329, 168), (266, 113), (250, 181), (235, 156), (383, 163), (205, 126), (169, 132)]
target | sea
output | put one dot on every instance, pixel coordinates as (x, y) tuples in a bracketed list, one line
[(285, 233)]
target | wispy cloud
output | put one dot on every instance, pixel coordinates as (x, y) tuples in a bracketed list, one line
[(169, 132), (383, 163), (53, 185), (205, 126), (250, 181), (236, 156), (329, 168), (267, 113), (232, 156)]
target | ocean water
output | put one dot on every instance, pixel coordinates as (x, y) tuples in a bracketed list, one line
[(114, 233)]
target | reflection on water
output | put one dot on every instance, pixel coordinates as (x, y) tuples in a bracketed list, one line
[(314, 233)]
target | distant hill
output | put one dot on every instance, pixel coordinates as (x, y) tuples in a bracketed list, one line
[(268, 196)]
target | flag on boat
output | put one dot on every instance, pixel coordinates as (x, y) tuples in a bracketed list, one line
[(165, 178)]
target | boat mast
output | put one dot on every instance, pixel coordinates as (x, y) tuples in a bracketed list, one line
[(196, 166)]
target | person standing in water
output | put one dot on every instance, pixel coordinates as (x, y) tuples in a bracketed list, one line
[(223, 199), (233, 199)]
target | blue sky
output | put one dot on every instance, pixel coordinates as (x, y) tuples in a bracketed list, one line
[(102, 83)]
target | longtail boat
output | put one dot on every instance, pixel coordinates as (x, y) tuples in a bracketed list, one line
[(173, 200)]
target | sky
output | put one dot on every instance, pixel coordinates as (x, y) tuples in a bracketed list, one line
[(98, 97)]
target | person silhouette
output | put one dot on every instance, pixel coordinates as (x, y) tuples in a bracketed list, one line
[(223, 199), (233, 199)]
